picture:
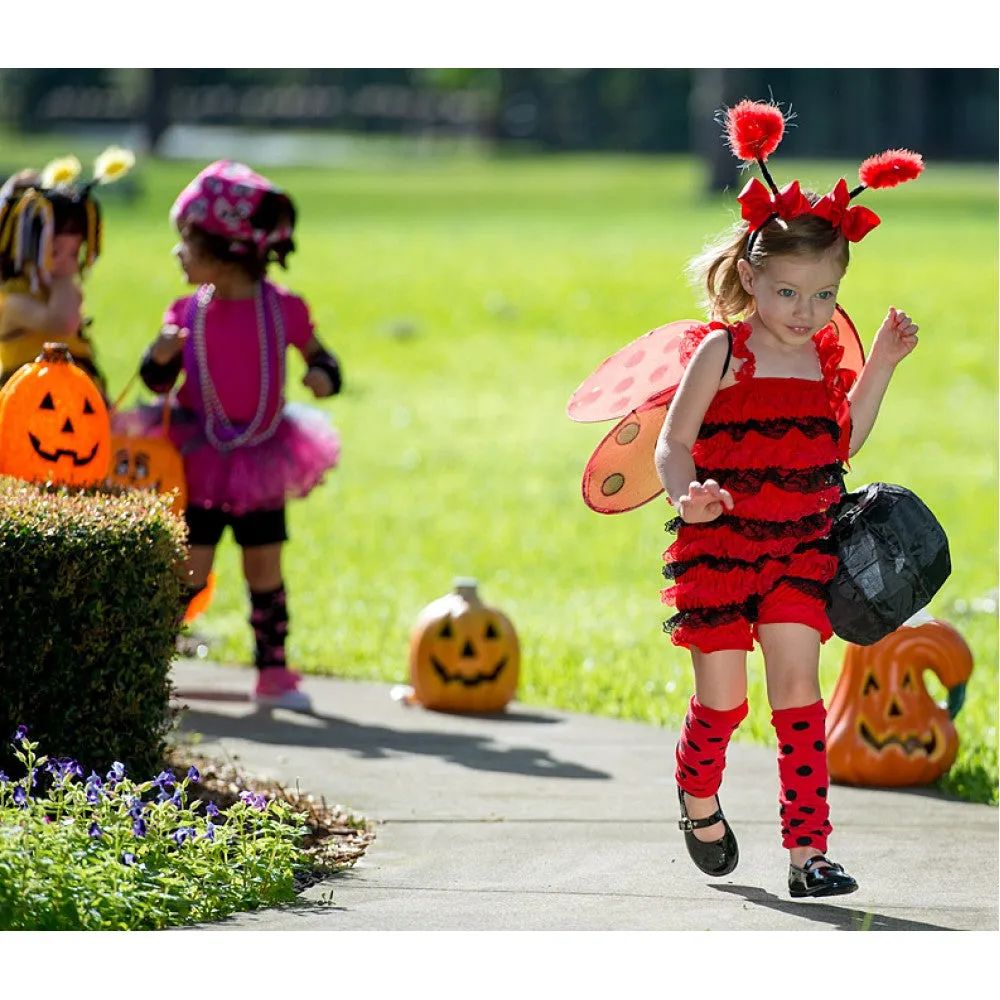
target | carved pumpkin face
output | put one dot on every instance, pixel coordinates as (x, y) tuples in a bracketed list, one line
[(54, 425), (464, 656), (883, 728), (149, 463)]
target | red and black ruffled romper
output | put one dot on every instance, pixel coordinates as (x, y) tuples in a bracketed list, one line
[(776, 444)]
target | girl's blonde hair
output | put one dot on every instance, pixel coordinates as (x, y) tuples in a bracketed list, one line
[(715, 270)]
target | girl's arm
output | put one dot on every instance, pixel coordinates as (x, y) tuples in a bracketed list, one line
[(163, 360), (323, 373), (896, 337), (59, 317), (674, 463)]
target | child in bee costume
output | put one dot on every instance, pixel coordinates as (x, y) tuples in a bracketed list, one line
[(50, 237)]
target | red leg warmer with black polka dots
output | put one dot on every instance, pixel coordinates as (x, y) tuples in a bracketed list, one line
[(803, 776), (701, 749)]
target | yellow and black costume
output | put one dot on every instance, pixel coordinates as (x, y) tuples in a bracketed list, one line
[(34, 210)]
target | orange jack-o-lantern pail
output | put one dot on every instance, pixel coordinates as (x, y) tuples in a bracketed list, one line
[(464, 655), (883, 728), (149, 461), (54, 424)]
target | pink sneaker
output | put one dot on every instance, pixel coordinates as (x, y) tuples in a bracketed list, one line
[(278, 687)]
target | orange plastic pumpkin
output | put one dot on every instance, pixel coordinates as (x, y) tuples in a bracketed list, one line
[(464, 656), (149, 463), (54, 424), (200, 601), (883, 728)]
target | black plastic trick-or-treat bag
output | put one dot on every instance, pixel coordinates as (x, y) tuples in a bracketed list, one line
[(893, 558)]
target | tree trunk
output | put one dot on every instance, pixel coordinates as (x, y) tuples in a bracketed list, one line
[(712, 90), (157, 117)]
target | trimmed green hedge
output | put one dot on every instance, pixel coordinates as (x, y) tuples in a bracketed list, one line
[(89, 598)]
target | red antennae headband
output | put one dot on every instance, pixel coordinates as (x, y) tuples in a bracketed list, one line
[(754, 131)]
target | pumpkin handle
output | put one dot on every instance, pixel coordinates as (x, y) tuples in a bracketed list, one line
[(956, 699), (166, 414), (113, 409)]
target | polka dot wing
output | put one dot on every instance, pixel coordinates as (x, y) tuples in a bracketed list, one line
[(632, 376), (636, 384)]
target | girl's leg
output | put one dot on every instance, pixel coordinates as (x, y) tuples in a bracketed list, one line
[(199, 564), (205, 529), (269, 612), (196, 570), (791, 658), (718, 707), (276, 684)]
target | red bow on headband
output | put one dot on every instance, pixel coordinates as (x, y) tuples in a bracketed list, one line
[(854, 222), (758, 204)]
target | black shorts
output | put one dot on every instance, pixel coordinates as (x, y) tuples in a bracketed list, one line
[(256, 528)]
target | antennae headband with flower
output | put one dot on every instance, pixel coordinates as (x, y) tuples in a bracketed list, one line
[(754, 130), (27, 210)]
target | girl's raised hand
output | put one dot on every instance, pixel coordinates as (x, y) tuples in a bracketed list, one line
[(896, 337), (320, 383), (169, 343), (704, 502)]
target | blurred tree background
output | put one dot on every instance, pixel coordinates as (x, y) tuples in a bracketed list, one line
[(947, 114)]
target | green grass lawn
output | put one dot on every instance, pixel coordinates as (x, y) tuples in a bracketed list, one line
[(467, 300)]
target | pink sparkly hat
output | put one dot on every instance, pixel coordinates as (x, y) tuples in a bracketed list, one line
[(225, 200)]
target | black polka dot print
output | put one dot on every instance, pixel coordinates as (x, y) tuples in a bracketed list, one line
[(803, 809), (701, 761)]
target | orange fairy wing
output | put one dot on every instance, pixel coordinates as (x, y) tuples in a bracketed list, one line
[(847, 334), (621, 474), (632, 375)]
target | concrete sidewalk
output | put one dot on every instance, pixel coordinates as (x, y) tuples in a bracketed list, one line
[(544, 820)]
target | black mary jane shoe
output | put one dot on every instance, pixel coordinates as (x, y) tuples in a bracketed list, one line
[(713, 857), (819, 877)]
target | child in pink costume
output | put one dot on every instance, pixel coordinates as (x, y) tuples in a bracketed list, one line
[(245, 450)]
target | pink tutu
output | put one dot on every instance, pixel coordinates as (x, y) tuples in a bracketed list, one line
[(262, 476)]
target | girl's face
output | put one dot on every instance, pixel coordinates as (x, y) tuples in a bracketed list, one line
[(66, 255), (199, 269), (794, 297)]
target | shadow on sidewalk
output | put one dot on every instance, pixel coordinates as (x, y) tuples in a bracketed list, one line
[(378, 742), (841, 917), (515, 713)]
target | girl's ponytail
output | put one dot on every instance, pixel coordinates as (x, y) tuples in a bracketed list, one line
[(714, 270)]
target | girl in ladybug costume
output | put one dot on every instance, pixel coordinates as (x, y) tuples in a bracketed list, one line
[(750, 454)]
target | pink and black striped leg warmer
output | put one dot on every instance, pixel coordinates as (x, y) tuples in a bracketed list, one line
[(701, 749), (803, 776), (269, 619)]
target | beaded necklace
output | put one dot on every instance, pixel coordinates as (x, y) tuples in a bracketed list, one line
[(228, 437)]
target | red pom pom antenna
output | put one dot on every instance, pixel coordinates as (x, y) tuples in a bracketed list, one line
[(754, 129), (894, 166)]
